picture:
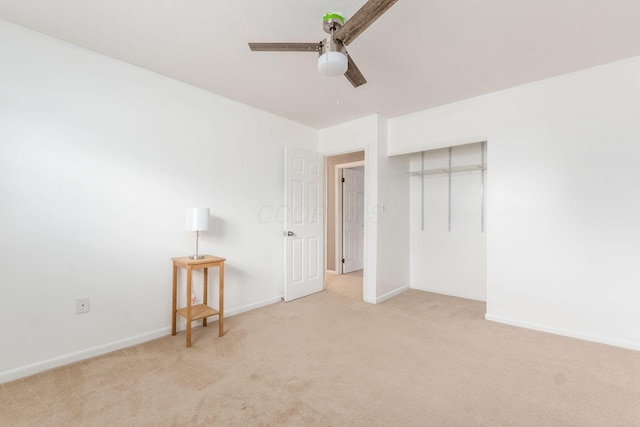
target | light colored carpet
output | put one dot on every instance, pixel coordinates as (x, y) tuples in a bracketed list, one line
[(330, 359), (347, 285)]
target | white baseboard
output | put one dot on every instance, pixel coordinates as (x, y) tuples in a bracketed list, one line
[(393, 293), (252, 306), (333, 272), (564, 332), (34, 368)]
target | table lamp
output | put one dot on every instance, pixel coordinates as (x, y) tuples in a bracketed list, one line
[(196, 219)]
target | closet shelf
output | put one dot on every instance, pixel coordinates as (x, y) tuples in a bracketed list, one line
[(455, 169)]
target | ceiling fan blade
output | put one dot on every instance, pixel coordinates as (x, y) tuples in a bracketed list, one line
[(353, 73), (364, 17), (285, 47)]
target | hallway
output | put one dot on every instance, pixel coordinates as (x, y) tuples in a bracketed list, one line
[(348, 285)]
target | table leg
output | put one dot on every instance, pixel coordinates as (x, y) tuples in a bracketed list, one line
[(221, 297), (174, 311), (189, 306), (205, 292)]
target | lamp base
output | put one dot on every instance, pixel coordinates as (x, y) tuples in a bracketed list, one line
[(196, 256)]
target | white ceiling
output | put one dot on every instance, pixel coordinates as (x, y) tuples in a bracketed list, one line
[(420, 54)]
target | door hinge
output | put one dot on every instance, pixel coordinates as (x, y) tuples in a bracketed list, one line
[(342, 179), (343, 260)]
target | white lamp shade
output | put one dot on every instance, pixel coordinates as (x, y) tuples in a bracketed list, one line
[(196, 219), (332, 64)]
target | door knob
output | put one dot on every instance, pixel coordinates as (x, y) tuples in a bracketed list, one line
[(287, 233)]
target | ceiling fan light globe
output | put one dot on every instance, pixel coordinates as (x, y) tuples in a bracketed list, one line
[(332, 64)]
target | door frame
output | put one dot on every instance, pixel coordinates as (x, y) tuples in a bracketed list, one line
[(338, 208)]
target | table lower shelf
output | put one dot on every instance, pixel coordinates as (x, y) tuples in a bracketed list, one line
[(198, 312)]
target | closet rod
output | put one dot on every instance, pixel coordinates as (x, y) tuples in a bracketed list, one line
[(454, 169)]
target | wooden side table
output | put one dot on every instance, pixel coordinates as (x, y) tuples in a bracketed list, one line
[(200, 311)]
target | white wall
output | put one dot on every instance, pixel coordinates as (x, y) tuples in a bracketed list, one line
[(562, 209), (98, 160), (386, 204), (392, 219), (350, 136), (450, 262)]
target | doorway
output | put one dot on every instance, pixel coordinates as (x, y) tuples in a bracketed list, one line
[(334, 230), (347, 285)]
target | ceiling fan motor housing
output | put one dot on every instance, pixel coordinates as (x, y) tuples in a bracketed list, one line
[(331, 45)]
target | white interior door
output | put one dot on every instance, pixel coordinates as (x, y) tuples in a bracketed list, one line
[(352, 220), (303, 224)]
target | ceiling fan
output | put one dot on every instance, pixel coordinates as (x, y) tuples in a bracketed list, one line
[(334, 60)]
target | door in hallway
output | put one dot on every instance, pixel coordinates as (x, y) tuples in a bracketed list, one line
[(352, 220)]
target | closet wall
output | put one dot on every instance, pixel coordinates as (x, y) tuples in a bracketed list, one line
[(448, 240)]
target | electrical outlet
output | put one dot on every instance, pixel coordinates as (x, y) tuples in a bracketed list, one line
[(82, 305)]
